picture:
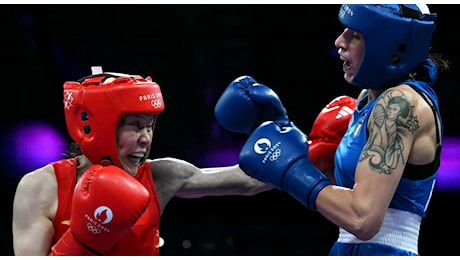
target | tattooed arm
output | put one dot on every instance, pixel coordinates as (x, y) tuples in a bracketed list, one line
[(400, 124), (391, 120)]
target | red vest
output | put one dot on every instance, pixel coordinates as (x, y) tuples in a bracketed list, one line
[(142, 239)]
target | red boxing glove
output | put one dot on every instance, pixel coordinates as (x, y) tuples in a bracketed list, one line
[(327, 131), (106, 203)]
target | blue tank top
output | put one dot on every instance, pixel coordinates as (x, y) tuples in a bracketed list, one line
[(411, 195)]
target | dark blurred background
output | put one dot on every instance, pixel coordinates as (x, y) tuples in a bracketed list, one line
[(193, 52)]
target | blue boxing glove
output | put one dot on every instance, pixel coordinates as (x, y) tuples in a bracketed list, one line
[(278, 155), (245, 104)]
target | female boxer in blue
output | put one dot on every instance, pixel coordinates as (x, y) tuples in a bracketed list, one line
[(386, 164), (390, 154)]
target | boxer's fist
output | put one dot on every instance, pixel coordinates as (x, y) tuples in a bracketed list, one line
[(327, 132), (278, 155), (107, 202), (245, 104)]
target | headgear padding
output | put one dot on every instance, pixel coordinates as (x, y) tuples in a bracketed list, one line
[(93, 110), (397, 39)]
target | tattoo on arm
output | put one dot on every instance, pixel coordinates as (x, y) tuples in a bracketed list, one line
[(392, 118)]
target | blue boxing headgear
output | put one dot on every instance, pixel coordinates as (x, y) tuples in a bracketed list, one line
[(397, 39)]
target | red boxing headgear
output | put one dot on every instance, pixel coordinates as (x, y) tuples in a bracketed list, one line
[(94, 108)]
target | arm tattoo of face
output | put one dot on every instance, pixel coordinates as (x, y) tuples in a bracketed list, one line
[(391, 119)]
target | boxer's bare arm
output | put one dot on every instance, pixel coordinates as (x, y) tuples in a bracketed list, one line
[(174, 177), (34, 208)]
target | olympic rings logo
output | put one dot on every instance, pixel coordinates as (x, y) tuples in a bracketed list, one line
[(275, 155), (93, 229), (156, 103)]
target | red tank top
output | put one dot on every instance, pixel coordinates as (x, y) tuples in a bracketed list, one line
[(142, 239)]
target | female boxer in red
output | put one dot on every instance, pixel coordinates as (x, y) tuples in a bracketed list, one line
[(108, 201)]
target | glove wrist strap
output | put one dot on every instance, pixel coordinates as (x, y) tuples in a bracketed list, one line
[(304, 182), (68, 245)]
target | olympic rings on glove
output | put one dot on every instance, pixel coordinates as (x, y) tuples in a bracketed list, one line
[(93, 229), (275, 155)]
